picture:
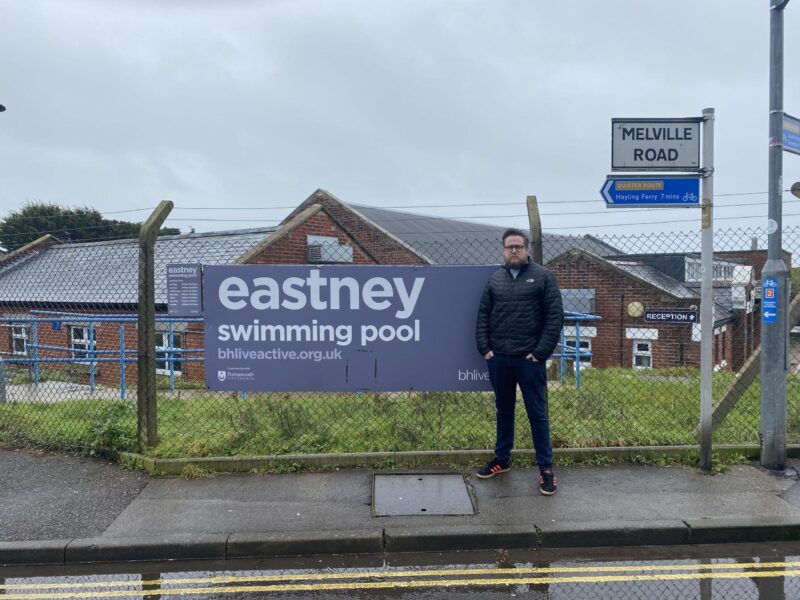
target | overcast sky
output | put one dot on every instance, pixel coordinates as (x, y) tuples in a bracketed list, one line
[(411, 104)]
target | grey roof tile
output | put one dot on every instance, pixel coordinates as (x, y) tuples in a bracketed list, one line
[(453, 242), (655, 277), (108, 272)]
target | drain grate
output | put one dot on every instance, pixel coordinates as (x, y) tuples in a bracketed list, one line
[(421, 494)]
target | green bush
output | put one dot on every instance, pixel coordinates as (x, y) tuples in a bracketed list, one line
[(116, 429)]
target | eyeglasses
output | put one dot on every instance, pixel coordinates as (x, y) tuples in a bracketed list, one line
[(514, 248)]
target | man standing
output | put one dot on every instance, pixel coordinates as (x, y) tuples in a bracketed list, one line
[(518, 327)]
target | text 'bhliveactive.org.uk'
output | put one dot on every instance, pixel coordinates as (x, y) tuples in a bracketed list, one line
[(278, 354)]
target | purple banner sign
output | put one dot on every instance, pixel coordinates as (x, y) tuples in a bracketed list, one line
[(343, 328)]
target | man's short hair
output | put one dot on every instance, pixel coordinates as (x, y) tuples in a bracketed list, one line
[(522, 234)]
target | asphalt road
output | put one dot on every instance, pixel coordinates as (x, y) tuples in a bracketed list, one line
[(762, 572), (52, 496)]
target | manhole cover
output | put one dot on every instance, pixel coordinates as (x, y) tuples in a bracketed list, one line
[(420, 495)]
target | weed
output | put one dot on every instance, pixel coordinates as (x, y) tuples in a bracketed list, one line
[(193, 471), (387, 464), (287, 467), (115, 429), (242, 418), (25, 376), (502, 559), (178, 383), (128, 462), (290, 418)]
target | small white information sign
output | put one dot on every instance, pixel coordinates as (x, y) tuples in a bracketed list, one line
[(184, 290)]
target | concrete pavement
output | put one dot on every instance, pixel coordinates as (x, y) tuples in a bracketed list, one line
[(57, 510)]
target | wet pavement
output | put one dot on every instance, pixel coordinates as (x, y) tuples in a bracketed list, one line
[(67, 510), (760, 571)]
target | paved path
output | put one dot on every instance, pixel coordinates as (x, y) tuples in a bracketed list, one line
[(66, 509)]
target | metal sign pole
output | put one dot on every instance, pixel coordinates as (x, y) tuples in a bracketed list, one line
[(673, 145), (707, 291), (775, 275)]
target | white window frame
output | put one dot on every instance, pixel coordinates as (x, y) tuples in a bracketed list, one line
[(19, 332), (647, 354), (163, 347), (79, 348), (723, 272), (719, 342), (586, 344), (692, 269)]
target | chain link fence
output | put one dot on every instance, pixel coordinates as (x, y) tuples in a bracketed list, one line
[(68, 339)]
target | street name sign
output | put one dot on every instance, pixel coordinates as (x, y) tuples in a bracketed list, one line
[(655, 144), (665, 190), (791, 134), (670, 315), (769, 300)]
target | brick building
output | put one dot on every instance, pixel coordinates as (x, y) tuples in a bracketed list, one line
[(622, 289), (101, 278)]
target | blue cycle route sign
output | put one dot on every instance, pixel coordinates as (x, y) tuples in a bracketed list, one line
[(769, 300), (628, 190), (791, 134)]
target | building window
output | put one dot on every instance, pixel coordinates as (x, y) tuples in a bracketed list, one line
[(722, 271), (164, 352), (692, 270), (327, 249), (19, 340), (79, 342), (720, 361), (585, 345), (578, 300), (642, 355)]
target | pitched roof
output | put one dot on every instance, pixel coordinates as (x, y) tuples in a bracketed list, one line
[(657, 279), (108, 272), (723, 303), (453, 242)]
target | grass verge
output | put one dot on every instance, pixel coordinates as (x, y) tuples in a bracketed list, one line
[(613, 407)]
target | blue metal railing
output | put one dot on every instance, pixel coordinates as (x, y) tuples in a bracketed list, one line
[(172, 355), (567, 352), (92, 356)]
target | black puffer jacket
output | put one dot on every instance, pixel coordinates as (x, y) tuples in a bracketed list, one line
[(522, 315)]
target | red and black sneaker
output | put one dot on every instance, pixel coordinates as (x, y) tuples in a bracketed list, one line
[(492, 468), (547, 482)]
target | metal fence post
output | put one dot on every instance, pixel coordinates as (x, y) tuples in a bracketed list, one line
[(147, 429), (2, 382), (122, 362), (707, 292)]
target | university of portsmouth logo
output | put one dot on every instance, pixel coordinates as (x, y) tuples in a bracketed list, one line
[(221, 375)]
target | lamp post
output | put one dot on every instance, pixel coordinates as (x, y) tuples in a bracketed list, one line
[(796, 188), (2, 108), (775, 274)]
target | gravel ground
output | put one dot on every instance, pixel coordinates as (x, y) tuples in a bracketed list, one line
[(47, 496)]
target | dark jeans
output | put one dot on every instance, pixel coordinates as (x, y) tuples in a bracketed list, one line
[(505, 372)]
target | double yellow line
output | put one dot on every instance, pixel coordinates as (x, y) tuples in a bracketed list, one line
[(365, 580)]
